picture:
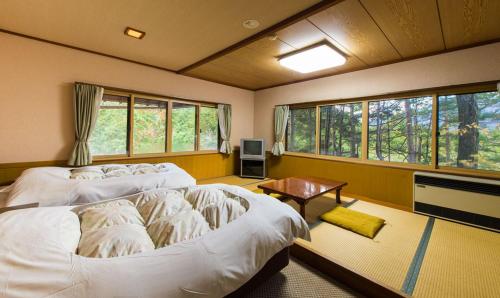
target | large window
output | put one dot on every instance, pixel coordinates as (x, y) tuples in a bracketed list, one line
[(150, 126), (340, 130), (135, 124), (110, 132), (301, 130), (400, 130), (469, 131), (183, 127), (209, 128)]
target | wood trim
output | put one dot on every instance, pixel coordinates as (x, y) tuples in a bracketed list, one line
[(316, 8), (400, 165), (155, 96), (364, 131), (484, 86), (343, 273), (434, 128), (169, 126), (477, 44), (153, 155), (317, 133), (131, 126)]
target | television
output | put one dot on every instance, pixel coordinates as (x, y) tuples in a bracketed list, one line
[(252, 149)]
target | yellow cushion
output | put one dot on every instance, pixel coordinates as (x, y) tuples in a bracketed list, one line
[(274, 195), (358, 222)]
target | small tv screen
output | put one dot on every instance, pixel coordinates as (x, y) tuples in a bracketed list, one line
[(252, 147)]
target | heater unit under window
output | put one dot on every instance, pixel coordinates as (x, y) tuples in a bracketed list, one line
[(468, 200)]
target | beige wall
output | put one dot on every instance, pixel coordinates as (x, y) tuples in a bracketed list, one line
[(36, 79), (460, 67)]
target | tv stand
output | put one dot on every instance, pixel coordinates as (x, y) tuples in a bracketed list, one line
[(253, 168)]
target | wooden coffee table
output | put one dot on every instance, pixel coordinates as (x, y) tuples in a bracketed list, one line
[(303, 189)]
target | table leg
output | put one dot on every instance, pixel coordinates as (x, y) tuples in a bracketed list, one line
[(337, 196), (303, 210)]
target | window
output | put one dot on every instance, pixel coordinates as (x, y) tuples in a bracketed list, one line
[(400, 130), (340, 130), (469, 131), (131, 124), (150, 126), (209, 128), (110, 133), (301, 130), (183, 127)]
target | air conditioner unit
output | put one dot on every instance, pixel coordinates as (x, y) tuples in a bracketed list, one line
[(463, 199)]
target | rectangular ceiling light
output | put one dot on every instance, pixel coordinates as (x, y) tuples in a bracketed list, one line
[(314, 58), (134, 33)]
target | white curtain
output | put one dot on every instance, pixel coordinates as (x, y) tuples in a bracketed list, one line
[(224, 113), (280, 121), (86, 103)]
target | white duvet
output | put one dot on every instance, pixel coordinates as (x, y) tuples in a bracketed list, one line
[(37, 257), (52, 186)]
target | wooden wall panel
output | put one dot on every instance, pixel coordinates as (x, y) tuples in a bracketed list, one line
[(469, 21), (390, 185), (201, 166), (412, 26), (350, 25)]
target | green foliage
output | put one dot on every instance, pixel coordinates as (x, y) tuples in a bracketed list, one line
[(487, 124), (209, 128), (150, 124), (183, 127), (110, 132), (301, 130), (150, 127), (400, 130), (340, 130)]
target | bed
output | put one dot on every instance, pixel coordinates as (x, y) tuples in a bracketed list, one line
[(58, 186), (42, 250)]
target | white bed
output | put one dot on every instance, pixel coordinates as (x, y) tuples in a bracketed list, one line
[(55, 186), (37, 257)]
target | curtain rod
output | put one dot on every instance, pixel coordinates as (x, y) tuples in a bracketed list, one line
[(151, 94)]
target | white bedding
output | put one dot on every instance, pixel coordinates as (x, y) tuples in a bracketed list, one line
[(52, 186), (36, 258)]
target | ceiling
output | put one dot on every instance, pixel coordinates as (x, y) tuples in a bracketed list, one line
[(178, 32), (205, 39)]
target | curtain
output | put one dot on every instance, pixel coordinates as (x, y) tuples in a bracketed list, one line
[(86, 102), (280, 120), (224, 113)]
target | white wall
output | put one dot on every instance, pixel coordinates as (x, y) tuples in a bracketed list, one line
[(459, 67), (36, 81)]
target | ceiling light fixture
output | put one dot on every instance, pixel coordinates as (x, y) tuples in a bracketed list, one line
[(134, 33), (251, 24), (313, 58)]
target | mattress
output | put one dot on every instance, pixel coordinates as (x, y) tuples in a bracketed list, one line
[(58, 186), (37, 246)]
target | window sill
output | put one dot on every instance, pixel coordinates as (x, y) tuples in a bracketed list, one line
[(400, 165), (153, 155)]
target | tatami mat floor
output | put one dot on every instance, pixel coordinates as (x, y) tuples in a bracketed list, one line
[(455, 260)]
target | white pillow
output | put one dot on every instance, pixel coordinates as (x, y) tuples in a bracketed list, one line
[(115, 241)]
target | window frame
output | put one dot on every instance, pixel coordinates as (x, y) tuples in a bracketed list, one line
[(433, 166), (168, 131)]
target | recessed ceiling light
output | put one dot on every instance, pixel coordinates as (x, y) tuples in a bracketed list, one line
[(251, 24), (134, 33), (313, 58)]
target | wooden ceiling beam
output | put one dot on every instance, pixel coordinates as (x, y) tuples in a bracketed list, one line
[(318, 7)]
